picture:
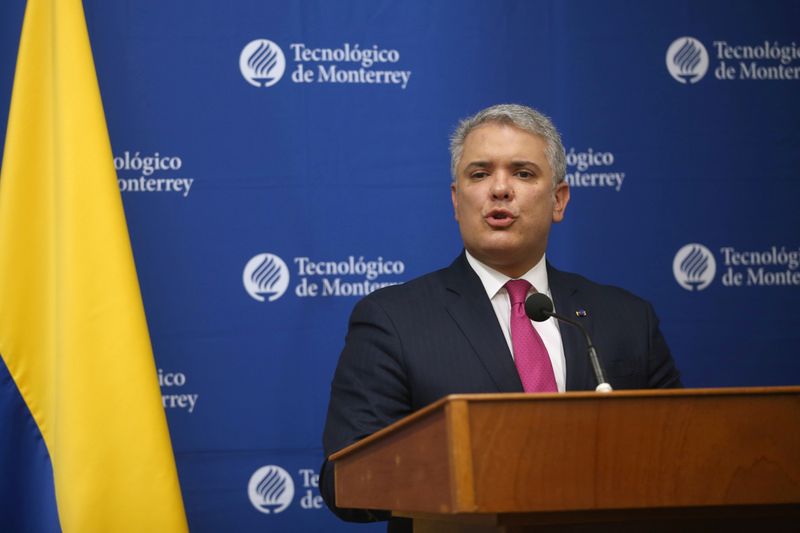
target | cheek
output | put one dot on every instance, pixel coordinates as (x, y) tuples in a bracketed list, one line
[(470, 198), (540, 208)]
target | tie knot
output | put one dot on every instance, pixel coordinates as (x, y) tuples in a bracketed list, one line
[(517, 290)]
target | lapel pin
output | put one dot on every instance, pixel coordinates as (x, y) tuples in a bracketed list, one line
[(581, 313)]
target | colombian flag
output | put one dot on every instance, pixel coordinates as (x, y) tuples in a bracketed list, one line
[(84, 444)]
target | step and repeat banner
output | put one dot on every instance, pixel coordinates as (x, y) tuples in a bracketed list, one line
[(279, 160)]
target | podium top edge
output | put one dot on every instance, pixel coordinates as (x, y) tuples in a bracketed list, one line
[(441, 404), (638, 393)]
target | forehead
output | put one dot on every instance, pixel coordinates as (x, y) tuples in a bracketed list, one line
[(497, 141)]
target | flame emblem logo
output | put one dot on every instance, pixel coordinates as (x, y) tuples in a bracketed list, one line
[(270, 489), (694, 267), (262, 63), (687, 60), (265, 275)]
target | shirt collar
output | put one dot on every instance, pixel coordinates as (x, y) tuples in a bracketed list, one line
[(493, 281)]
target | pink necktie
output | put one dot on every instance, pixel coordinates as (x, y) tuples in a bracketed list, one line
[(530, 355)]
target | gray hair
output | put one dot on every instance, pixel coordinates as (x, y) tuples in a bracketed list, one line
[(519, 116)]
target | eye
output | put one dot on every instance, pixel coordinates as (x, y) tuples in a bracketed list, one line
[(524, 174), (479, 174)]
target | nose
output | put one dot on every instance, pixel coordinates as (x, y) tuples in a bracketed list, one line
[(501, 188)]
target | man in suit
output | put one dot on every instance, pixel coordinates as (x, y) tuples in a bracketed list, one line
[(462, 329)]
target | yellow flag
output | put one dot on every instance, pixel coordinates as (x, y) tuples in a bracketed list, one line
[(73, 333)]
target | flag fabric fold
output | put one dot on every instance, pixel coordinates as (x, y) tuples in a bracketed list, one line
[(83, 425)]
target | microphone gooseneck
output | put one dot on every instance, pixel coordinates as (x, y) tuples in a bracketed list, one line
[(539, 307)]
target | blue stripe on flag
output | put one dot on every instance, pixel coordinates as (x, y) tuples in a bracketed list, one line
[(27, 491)]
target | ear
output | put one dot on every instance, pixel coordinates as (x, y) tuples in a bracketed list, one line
[(561, 199), (454, 198)]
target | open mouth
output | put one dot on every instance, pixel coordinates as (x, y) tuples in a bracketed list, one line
[(499, 218)]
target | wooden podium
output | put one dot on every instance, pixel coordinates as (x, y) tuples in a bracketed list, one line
[(678, 460)]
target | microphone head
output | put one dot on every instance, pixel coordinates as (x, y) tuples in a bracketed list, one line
[(538, 307)]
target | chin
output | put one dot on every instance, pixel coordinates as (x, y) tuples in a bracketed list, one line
[(497, 255), (503, 244)]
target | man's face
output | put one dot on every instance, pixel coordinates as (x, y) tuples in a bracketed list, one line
[(503, 197)]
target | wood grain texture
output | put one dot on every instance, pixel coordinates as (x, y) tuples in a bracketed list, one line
[(698, 455), (407, 469), (634, 452)]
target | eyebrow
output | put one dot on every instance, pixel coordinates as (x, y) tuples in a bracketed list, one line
[(478, 164), (514, 164), (525, 163)]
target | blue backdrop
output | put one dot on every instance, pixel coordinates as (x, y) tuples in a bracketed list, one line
[(277, 159)]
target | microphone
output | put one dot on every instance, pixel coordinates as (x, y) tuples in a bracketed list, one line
[(539, 308)]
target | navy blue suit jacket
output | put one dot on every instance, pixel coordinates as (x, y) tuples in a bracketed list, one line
[(409, 345)]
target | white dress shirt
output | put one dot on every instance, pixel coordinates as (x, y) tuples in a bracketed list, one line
[(494, 282)]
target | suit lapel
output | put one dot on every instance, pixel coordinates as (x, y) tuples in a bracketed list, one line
[(566, 299), (472, 311)]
